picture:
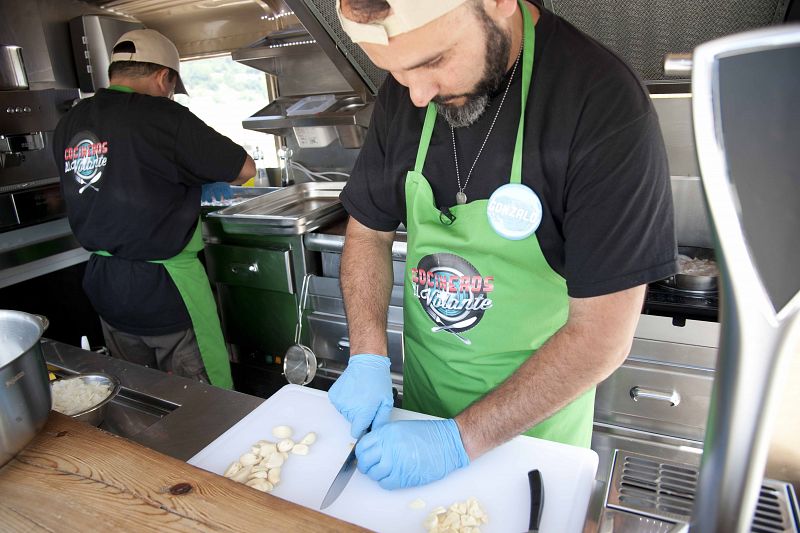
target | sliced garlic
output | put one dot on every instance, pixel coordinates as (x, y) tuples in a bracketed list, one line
[(300, 449), (460, 517), (309, 439), (282, 432), (417, 504)]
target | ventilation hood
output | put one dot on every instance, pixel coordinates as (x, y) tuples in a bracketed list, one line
[(640, 31)]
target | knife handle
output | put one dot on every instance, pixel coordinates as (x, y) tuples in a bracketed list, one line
[(537, 499)]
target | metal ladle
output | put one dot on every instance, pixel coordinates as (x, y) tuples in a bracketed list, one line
[(300, 362)]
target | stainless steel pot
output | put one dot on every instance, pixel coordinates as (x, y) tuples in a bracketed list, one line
[(24, 387), (12, 69)]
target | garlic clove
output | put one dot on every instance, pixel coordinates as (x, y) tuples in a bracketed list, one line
[(265, 449), (300, 449), (242, 475), (274, 476), (232, 469), (285, 445), (248, 459), (282, 432), (275, 460), (309, 439)]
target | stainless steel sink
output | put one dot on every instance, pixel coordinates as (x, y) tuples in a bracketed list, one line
[(132, 412)]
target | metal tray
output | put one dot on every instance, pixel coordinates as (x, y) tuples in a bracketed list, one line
[(292, 210)]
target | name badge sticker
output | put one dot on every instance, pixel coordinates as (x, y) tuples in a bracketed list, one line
[(514, 211)]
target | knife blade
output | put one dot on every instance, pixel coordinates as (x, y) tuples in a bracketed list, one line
[(537, 500), (344, 475)]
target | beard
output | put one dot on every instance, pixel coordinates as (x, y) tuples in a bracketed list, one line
[(498, 45)]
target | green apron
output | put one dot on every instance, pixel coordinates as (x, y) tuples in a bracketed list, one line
[(478, 305), (190, 278)]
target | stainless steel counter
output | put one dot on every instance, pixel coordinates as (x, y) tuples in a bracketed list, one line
[(170, 414)]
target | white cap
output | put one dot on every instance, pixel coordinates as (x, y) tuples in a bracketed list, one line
[(151, 47), (405, 16)]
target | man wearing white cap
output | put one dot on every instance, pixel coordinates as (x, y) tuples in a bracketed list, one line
[(527, 164), (133, 163)]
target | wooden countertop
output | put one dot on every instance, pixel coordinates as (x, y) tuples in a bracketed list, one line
[(74, 477)]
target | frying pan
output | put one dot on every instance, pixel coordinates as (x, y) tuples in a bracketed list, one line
[(692, 282)]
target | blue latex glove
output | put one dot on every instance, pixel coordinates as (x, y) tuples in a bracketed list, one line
[(216, 191), (363, 393), (411, 452)]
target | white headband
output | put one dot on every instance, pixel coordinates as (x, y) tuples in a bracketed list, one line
[(406, 15)]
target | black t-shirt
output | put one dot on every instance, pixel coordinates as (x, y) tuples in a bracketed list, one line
[(593, 152), (131, 170)]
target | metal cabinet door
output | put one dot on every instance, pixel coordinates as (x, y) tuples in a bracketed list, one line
[(260, 268), (666, 399), (329, 339)]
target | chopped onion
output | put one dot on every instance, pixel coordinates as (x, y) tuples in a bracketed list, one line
[(71, 396), (697, 267)]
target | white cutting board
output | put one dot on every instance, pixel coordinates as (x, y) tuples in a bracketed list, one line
[(499, 479)]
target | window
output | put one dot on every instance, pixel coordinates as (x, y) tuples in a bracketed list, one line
[(222, 93)]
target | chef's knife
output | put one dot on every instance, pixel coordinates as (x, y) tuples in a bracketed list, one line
[(537, 500), (344, 475)]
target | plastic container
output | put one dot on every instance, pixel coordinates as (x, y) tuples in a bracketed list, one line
[(311, 105)]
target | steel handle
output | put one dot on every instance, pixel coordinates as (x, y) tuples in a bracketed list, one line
[(679, 65), (673, 397), (239, 268), (343, 344)]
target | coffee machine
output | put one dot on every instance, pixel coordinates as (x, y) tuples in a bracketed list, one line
[(29, 188)]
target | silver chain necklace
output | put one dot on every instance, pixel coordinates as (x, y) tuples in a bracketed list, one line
[(461, 198)]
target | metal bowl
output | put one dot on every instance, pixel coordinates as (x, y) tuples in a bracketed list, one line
[(96, 414)]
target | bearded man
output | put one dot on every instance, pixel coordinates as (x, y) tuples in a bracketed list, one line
[(527, 164)]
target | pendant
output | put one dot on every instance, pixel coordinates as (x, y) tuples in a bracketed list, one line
[(461, 198)]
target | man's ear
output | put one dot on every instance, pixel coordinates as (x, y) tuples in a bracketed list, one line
[(500, 8), (163, 80)]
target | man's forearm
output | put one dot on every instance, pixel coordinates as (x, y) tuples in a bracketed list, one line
[(366, 280), (581, 354)]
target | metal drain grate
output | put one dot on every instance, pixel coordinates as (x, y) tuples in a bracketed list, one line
[(664, 490)]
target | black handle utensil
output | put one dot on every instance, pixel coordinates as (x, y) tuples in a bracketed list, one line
[(537, 500)]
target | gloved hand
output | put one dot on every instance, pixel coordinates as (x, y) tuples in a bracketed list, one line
[(216, 191), (363, 393), (411, 452)]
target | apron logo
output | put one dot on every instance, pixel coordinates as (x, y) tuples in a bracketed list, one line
[(85, 158), (452, 292)]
